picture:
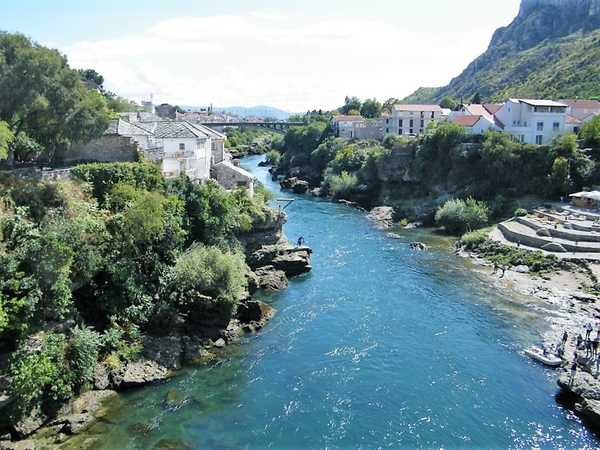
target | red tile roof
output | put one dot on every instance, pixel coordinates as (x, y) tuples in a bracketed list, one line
[(467, 120)]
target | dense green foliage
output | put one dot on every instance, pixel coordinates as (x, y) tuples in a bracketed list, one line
[(104, 259), (410, 173), (43, 101)]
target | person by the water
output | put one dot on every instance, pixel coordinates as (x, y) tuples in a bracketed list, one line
[(300, 241)]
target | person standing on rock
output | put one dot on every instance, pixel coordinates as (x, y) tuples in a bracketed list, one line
[(573, 371), (588, 330), (565, 336), (300, 241), (597, 364)]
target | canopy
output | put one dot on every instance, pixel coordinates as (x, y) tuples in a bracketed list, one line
[(594, 195)]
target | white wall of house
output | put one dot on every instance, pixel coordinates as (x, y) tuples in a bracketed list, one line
[(533, 121), (411, 119)]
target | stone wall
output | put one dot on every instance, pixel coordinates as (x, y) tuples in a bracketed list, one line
[(105, 149)]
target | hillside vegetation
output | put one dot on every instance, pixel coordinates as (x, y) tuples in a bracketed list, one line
[(551, 50), (566, 67)]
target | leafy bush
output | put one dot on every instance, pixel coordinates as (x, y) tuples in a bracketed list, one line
[(221, 276), (341, 185), (457, 216), (82, 353), (520, 212), (473, 239)]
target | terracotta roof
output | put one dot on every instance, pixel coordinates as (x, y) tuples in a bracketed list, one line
[(582, 103), (571, 119), (349, 118), (417, 108), (467, 120), (492, 107), (476, 109)]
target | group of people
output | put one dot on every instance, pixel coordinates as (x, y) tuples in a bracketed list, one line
[(589, 345)]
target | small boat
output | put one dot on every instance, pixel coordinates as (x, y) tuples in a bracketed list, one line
[(549, 358)]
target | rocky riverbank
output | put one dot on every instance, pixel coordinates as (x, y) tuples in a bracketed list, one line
[(570, 308), (272, 260)]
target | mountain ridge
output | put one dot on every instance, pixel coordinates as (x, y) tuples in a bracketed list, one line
[(550, 50)]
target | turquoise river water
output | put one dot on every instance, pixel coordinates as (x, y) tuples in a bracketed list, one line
[(379, 346)]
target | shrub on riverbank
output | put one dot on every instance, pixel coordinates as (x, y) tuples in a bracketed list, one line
[(87, 266)]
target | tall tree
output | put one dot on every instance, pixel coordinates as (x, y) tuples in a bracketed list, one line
[(370, 109), (386, 107), (350, 103), (43, 99)]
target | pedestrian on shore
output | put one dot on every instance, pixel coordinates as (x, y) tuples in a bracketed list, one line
[(565, 336), (598, 330), (502, 268), (495, 267), (573, 371), (588, 330), (588, 348), (594, 347), (579, 341), (300, 240), (597, 364)]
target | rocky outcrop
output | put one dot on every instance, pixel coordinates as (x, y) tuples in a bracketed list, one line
[(382, 217), (586, 391), (293, 260), (295, 185), (254, 315), (271, 279)]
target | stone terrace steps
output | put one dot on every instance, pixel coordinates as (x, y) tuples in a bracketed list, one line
[(564, 230)]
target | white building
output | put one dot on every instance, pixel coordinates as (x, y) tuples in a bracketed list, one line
[(533, 121), (411, 119)]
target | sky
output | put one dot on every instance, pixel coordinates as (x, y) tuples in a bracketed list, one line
[(292, 55)]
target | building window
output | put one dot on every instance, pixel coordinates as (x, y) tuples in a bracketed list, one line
[(540, 126), (432, 115), (555, 126), (400, 123), (411, 131), (422, 123), (539, 139), (182, 146), (410, 123), (387, 130)]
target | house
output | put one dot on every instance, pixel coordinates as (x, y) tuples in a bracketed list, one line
[(231, 176), (476, 124), (583, 110), (411, 119), (344, 126), (533, 121), (185, 148)]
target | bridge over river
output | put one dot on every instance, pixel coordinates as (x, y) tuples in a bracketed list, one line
[(275, 127)]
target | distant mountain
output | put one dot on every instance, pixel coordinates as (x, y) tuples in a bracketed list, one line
[(259, 111), (551, 50)]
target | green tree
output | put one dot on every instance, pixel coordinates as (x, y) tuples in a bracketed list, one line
[(386, 107), (450, 103), (44, 99), (457, 216), (351, 104), (93, 76), (370, 109), (6, 138), (591, 132)]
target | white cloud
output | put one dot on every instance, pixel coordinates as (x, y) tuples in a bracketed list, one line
[(282, 61)]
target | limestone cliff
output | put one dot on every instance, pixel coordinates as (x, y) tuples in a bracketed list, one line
[(550, 50)]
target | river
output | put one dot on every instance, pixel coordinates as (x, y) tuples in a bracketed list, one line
[(378, 346)]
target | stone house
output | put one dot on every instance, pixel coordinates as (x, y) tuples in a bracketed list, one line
[(411, 120)]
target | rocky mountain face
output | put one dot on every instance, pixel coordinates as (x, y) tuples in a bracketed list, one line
[(539, 20), (535, 56)]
